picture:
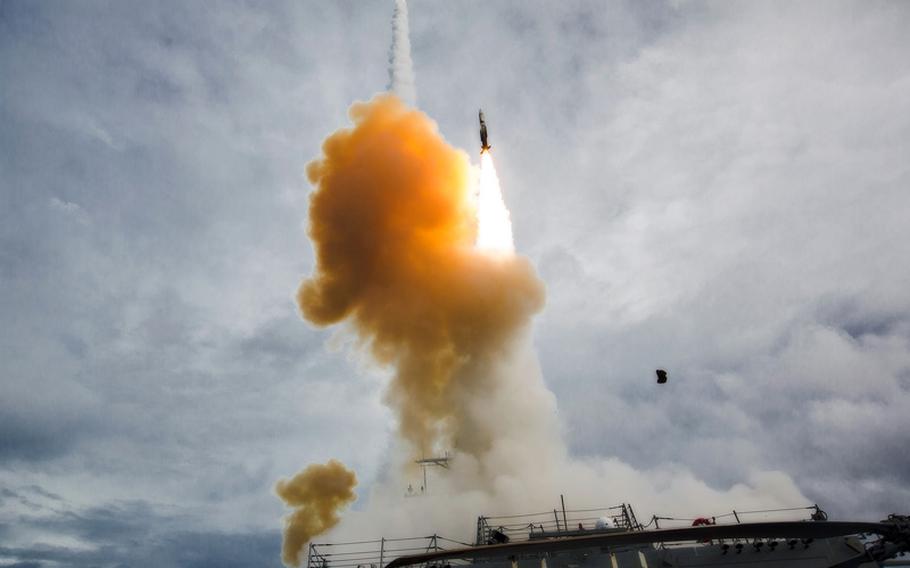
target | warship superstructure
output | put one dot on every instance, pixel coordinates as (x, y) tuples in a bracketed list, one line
[(614, 538)]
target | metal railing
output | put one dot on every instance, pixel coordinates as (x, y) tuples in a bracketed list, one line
[(374, 553), (555, 523), (814, 513)]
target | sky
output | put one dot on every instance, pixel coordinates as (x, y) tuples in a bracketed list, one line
[(718, 189)]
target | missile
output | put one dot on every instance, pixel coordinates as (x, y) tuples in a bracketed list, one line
[(484, 146)]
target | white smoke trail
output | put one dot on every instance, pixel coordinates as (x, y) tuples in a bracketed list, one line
[(401, 68)]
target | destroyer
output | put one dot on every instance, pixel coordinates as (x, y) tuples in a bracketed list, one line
[(613, 538)]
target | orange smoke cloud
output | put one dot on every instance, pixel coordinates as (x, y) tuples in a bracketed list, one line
[(317, 493), (393, 227)]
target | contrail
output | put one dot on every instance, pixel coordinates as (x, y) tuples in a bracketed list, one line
[(401, 68)]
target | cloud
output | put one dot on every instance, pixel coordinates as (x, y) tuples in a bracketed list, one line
[(127, 534), (748, 243)]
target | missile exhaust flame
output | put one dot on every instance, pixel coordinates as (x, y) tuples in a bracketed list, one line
[(494, 224)]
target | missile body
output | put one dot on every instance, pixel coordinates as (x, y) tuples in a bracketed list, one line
[(484, 146)]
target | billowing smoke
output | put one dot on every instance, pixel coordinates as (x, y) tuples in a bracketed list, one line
[(401, 69), (395, 221), (317, 494), (394, 227), (414, 253)]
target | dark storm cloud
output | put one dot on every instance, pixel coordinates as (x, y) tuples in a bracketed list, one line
[(187, 549), (135, 534), (859, 318), (28, 437)]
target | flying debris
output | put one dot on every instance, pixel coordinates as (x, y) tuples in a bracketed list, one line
[(484, 146), (661, 376)]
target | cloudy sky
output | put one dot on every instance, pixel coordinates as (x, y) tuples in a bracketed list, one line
[(719, 189)]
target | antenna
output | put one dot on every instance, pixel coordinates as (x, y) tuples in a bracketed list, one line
[(424, 463)]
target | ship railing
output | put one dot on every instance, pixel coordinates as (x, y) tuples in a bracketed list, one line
[(809, 513), (554, 524), (375, 553)]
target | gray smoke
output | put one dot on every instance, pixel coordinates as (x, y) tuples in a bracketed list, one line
[(401, 68)]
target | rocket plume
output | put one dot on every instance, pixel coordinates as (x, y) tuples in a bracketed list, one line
[(494, 224), (317, 494), (415, 254), (401, 68), (394, 228)]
